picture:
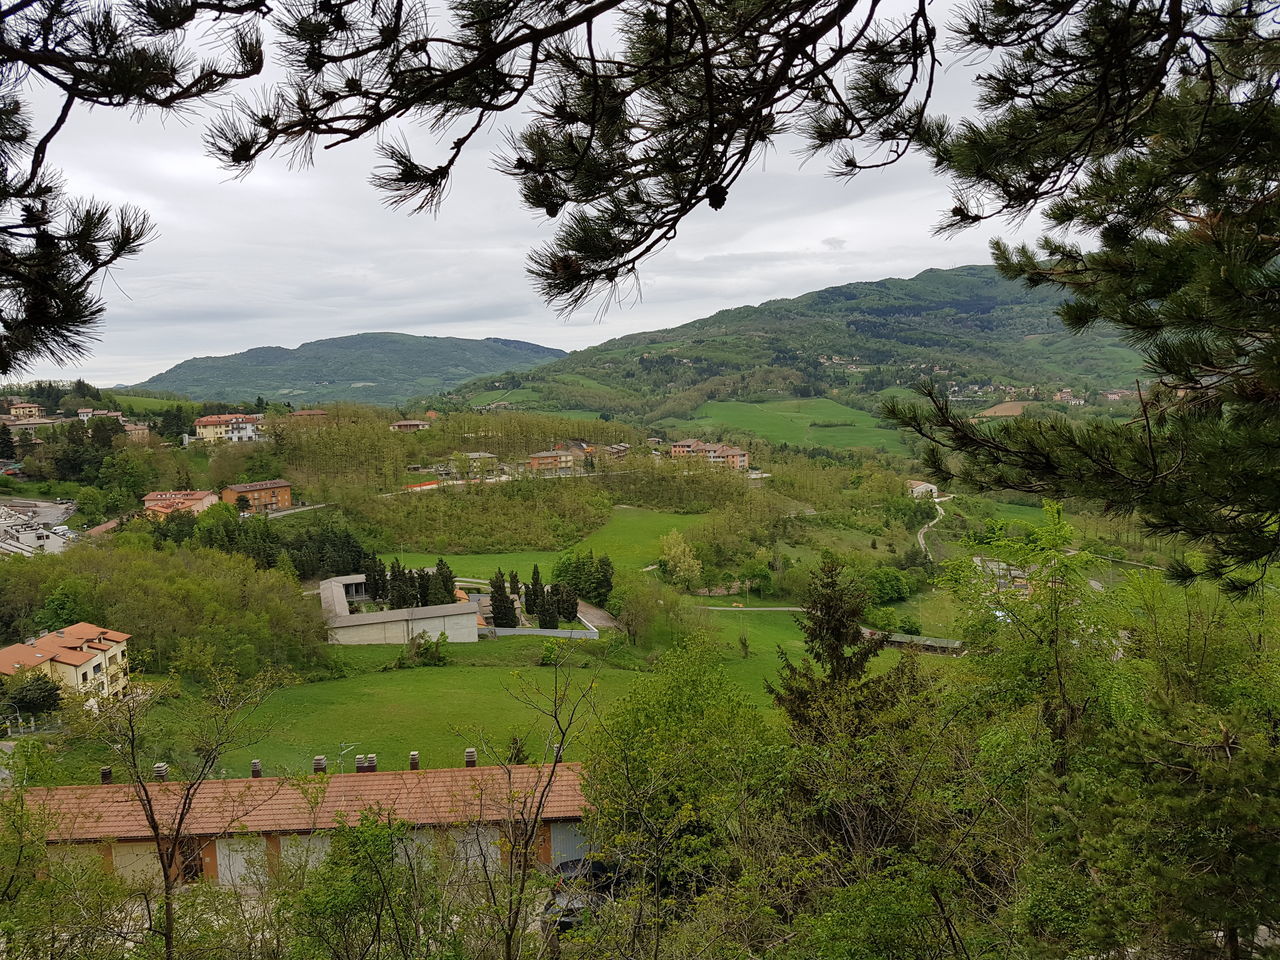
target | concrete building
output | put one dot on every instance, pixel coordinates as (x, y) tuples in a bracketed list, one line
[(238, 831), (161, 503), (410, 426), (137, 432), (22, 536), (265, 496), (558, 463), (461, 621), (82, 657), (26, 410), (232, 427), (722, 453)]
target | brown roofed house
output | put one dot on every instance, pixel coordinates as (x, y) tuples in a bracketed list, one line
[(265, 496)]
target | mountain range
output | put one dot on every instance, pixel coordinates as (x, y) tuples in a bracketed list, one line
[(966, 325), (379, 368)]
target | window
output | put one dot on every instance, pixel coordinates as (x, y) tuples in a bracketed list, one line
[(97, 669), (84, 677)]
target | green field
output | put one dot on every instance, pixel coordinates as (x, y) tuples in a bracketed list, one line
[(789, 421), (440, 711), (630, 538), (145, 404), (521, 395)]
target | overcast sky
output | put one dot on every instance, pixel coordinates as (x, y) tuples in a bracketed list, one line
[(287, 256)]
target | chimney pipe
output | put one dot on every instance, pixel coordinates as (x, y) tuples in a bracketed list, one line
[(469, 757), (161, 772), (414, 763), (320, 764), (359, 763), (255, 769), (104, 774), (371, 763)]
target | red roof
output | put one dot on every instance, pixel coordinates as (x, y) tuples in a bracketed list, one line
[(85, 814)]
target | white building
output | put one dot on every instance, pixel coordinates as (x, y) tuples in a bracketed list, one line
[(919, 488), (23, 536)]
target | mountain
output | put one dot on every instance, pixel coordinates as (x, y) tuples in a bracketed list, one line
[(850, 342), (383, 368)]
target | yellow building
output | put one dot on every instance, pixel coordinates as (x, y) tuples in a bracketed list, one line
[(82, 657)]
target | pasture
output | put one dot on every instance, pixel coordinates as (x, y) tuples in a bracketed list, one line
[(798, 422)]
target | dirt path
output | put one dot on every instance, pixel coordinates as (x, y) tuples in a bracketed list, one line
[(596, 617), (937, 505)]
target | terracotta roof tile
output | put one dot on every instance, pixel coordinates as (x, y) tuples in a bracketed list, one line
[(275, 804)]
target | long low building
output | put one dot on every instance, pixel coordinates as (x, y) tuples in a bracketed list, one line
[(235, 828), (460, 621)]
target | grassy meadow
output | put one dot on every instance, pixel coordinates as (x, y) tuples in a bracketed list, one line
[(792, 422), (630, 538)]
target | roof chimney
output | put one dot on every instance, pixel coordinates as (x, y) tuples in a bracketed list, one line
[(160, 772), (469, 757), (104, 774), (359, 763), (319, 764), (414, 763), (371, 763), (255, 769)]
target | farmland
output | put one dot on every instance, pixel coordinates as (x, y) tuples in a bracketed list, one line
[(810, 422)]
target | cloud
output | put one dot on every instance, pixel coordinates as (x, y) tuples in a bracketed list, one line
[(285, 256)]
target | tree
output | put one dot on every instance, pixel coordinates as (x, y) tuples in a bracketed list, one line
[(445, 574), (625, 142), (837, 651), (602, 582), (32, 692), (1156, 169), (678, 563), (132, 56), (7, 448), (533, 593), (224, 716), (514, 582), (567, 604), (502, 606), (548, 610), (242, 503)]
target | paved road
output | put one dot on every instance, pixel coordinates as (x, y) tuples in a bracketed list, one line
[(285, 513)]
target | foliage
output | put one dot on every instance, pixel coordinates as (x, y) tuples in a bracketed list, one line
[(502, 605), (678, 563), (173, 601), (590, 577), (32, 692)]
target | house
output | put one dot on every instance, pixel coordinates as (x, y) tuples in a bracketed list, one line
[(137, 432), (232, 427), (25, 410), (106, 414), (31, 424), (409, 426), (265, 496), (236, 824), (714, 452), (161, 503), (559, 463), (919, 488), (82, 657), (84, 413), (308, 415), (617, 450), (22, 536)]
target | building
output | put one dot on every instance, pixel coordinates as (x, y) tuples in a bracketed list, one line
[(161, 503), (84, 413), (22, 536), (410, 426), (617, 450), (559, 463), (308, 414), (714, 452), (265, 496), (82, 657), (31, 424), (137, 432), (919, 488), (236, 829), (457, 620), (232, 427), (26, 410), (105, 414)]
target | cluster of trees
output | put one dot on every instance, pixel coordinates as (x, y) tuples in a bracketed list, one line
[(526, 514), (187, 607), (314, 549), (588, 576), (545, 605), (400, 587)]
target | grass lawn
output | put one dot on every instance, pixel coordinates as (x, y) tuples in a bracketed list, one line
[(630, 538), (146, 404), (788, 421)]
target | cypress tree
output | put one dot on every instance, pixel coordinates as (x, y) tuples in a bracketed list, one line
[(7, 448), (567, 603), (445, 575), (602, 582), (548, 615), (501, 605), (534, 593), (514, 580), (424, 579)]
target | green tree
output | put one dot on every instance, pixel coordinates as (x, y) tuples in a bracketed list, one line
[(72, 601), (678, 563), (32, 692), (7, 448), (533, 593), (502, 606)]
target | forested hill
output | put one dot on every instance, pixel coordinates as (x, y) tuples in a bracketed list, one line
[(383, 368), (968, 322)]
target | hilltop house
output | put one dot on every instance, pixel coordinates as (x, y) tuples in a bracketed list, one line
[(82, 657), (232, 427), (409, 426), (25, 410), (137, 432), (161, 503), (920, 488), (265, 496), (235, 826), (714, 452)]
